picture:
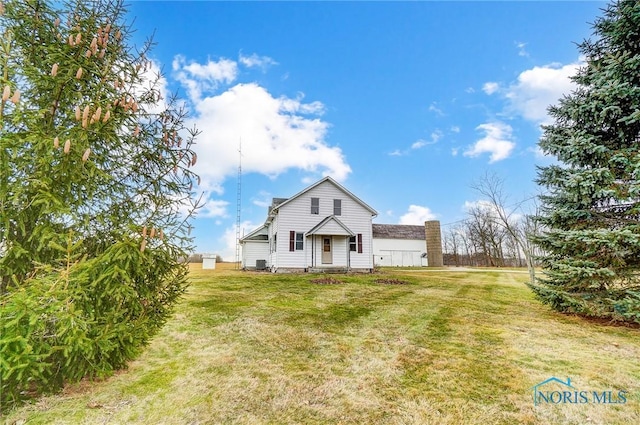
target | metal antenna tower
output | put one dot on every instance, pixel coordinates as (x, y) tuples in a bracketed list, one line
[(238, 205)]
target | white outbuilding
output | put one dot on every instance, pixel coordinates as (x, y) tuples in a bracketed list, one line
[(208, 261), (399, 245)]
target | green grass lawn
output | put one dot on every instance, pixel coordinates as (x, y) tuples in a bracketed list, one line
[(444, 348)]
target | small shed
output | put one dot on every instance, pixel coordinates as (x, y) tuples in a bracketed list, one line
[(208, 261)]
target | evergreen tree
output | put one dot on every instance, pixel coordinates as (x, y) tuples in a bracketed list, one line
[(591, 209), (94, 185)]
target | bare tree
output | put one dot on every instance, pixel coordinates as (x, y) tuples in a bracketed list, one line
[(517, 225)]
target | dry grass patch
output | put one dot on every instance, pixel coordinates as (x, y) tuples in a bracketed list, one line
[(390, 281), (450, 348), (326, 281)]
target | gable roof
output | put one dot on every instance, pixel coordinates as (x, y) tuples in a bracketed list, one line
[(398, 231), (326, 223), (259, 234), (336, 184)]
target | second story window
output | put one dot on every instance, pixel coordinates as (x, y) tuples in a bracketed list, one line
[(337, 207), (315, 205)]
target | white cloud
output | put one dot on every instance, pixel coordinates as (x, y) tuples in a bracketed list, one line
[(296, 105), (455, 129), (490, 87), (152, 79), (436, 136), (454, 151), (417, 215), (213, 208), (522, 51), (255, 61), (538, 88), (492, 210), (433, 108), (228, 240), (202, 78), (277, 134), (496, 141), (418, 144), (263, 199), (481, 204)]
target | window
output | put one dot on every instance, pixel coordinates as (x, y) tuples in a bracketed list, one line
[(355, 243), (337, 207), (274, 244), (315, 205), (296, 241)]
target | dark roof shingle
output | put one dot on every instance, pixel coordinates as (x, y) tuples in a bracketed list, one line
[(398, 231)]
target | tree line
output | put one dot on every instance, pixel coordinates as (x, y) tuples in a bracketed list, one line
[(494, 233)]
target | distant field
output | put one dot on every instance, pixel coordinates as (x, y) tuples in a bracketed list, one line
[(442, 348)]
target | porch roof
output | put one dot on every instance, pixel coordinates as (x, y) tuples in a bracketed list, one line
[(330, 226), (259, 234)]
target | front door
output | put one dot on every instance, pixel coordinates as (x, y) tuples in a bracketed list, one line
[(327, 256)]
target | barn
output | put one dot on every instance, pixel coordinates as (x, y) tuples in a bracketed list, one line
[(399, 245)]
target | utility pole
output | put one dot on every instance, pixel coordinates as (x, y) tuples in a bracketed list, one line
[(238, 205)]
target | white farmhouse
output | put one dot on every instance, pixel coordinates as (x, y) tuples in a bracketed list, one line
[(327, 228), (324, 227)]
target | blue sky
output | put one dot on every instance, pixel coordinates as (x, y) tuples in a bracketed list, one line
[(405, 103)]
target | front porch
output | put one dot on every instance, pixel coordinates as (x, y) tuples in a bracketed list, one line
[(329, 243)]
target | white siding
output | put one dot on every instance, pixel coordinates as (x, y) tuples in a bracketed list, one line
[(332, 228), (253, 251), (273, 238), (296, 215), (399, 252), (209, 263), (340, 251)]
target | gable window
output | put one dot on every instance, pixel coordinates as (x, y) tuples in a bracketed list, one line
[(337, 207), (296, 241), (315, 205), (352, 243)]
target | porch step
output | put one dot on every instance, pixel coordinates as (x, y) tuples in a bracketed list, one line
[(328, 270)]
